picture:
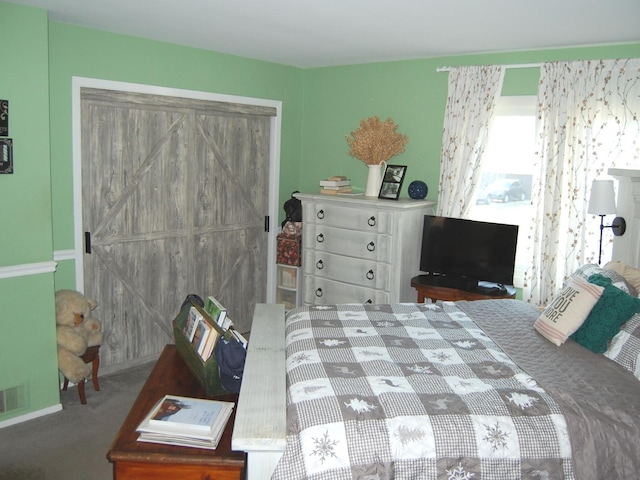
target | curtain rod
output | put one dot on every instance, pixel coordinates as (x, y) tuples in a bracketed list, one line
[(517, 65)]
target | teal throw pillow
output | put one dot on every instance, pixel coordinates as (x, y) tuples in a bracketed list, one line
[(607, 316)]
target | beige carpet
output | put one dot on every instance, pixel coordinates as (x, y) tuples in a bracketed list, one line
[(72, 444)]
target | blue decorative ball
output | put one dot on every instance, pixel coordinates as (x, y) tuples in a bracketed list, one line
[(418, 190)]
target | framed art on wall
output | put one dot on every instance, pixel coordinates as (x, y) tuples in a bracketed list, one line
[(6, 155), (392, 182), (4, 118)]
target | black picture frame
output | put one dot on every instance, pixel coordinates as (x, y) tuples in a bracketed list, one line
[(4, 118), (392, 182), (6, 155)]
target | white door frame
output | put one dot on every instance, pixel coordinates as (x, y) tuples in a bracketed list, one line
[(274, 160)]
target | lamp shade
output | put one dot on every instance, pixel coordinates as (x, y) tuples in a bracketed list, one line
[(603, 199)]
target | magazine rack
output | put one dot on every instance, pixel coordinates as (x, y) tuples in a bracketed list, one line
[(206, 372)]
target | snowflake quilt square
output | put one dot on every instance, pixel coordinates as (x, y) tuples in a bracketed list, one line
[(444, 356), (324, 448), (496, 436), (456, 469), (304, 357)]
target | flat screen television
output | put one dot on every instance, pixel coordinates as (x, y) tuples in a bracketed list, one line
[(463, 253)]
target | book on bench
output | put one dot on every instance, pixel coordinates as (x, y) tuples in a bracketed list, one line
[(185, 421)]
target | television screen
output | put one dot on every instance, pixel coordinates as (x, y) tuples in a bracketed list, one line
[(468, 251)]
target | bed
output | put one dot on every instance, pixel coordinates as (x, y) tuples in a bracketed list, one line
[(459, 390)]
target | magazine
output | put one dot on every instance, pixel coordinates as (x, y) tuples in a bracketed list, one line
[(186, 421)]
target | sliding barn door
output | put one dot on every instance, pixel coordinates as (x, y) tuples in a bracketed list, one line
[(174, 199)]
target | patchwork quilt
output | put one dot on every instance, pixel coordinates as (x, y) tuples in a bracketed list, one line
[(412, 391)]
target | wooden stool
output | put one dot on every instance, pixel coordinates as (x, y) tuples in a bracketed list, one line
[(92, 355)]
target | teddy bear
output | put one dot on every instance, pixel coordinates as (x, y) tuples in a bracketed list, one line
[(76, 330)]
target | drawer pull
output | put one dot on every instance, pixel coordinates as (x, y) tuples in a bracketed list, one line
[(369, 301), (370, 275), (320, 214), (371, 246), (320, 238), (319, 265), (318, 292), (372, 221)]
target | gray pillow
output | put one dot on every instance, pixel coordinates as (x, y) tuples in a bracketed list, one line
[(617, 280)]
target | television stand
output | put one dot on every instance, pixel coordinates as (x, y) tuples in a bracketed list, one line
[(426, 290)]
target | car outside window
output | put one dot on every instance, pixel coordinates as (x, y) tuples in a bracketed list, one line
[(504, 194)]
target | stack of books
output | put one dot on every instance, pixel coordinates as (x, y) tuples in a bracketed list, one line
[(335, 185), (218, 314), (201, 331), (186, 422)]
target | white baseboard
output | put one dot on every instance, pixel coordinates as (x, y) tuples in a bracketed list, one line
[(31, 415)]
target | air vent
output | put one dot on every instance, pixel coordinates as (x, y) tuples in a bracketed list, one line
[(12, 398)]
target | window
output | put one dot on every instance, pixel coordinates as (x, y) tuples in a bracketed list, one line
[(504, 194)]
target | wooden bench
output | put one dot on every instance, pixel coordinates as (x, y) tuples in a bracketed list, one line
[(260, 428)]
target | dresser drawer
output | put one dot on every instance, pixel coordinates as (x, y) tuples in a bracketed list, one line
[(365, 245), (366, 273), (352, 236), (362, 219), (321, 291)]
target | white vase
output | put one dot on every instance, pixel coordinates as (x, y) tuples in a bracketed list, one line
[(374, 179)]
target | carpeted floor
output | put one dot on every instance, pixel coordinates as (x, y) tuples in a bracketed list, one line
[(72, 444)]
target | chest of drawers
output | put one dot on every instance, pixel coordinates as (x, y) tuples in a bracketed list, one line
[(359, 249)]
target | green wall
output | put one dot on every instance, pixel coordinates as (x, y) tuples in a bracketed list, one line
[(414, 95), (82, 52), (24, 82), (44, 57), (320, 107), (27, 343)]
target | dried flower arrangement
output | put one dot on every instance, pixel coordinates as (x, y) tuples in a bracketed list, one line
[(375, 142)]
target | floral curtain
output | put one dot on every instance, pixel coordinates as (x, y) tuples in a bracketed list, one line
[(589, 121), (471, 103)]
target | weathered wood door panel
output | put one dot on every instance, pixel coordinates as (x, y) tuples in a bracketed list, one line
[(174, 194), (232, 194)]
